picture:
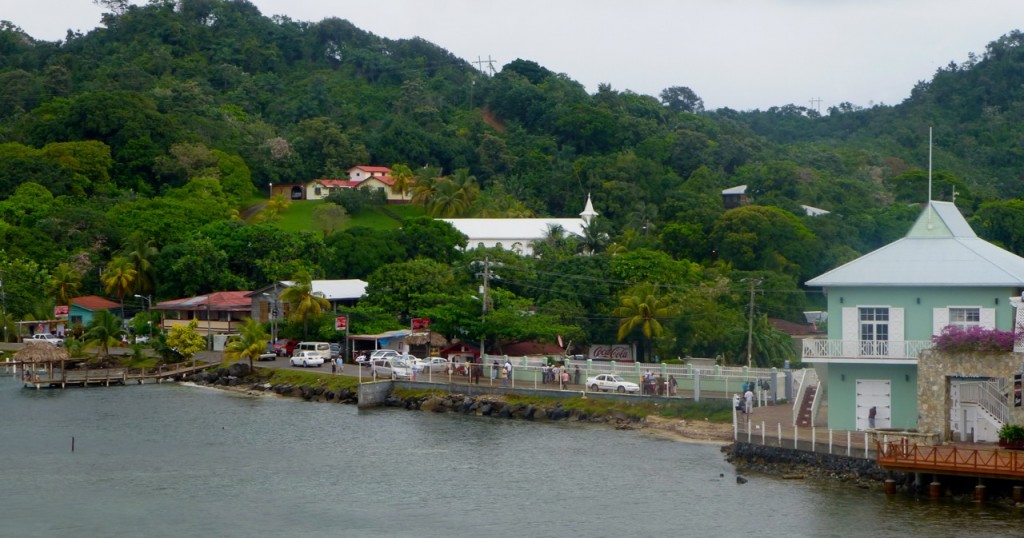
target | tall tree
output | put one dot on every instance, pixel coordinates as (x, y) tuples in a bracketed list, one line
[(141, 253), (65, 283), (404, 179), (426, 186), (119, 279), (304, 303), (186, 341), (642, 310), (103, 331), (251, 343)]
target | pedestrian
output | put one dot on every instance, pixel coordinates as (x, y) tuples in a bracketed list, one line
[(341, 364), (672, 384), (748, 397), (334, 367), (508, 372), (494, 371), (871, 417), (565, 378), (477, 372), (576, 375)]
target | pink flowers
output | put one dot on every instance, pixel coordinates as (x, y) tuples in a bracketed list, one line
[(955, 338)]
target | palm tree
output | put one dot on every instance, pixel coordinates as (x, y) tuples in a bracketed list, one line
[(251, 343), (119, 278), (594, 239), (640, 310), (65, 283), (425, 188), (404, 179), (467, 189), (303, 301), (141, 252), (104, 331), (447, 201)]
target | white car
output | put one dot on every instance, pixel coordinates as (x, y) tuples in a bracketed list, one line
[(306, 359), (392, 369), (48, 338), (436, 365), (611, 382), (383, 354)]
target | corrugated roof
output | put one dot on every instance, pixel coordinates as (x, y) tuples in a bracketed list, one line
[(940, 250), (94, 302), (221, 300)]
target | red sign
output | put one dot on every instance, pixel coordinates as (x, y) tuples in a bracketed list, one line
[(341, 323), (61, 311), (420, 324), (611, 353)]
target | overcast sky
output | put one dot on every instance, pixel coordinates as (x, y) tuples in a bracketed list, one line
[(741, 54)]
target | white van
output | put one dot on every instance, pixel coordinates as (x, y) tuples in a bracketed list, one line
[(320, 348)]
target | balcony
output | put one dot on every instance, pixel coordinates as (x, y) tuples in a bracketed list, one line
[(863, 350)]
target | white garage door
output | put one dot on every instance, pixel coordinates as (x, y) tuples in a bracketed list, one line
[(875, 393)]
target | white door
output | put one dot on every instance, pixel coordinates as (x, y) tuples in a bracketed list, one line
[(875, 393)]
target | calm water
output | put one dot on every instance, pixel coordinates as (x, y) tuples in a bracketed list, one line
[(185, 461)]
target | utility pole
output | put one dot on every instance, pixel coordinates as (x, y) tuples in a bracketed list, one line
[(483, 305), (481, 62), (750, 321)]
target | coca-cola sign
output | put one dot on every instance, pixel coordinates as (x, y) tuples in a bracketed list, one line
[(611, 353)]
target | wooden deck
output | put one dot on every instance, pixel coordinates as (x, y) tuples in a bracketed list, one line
[(104, 376), (952, 460)]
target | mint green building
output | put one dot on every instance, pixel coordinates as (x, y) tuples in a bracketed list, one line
[(884, 307)]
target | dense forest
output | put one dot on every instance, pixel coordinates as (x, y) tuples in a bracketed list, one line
[(135, 159)]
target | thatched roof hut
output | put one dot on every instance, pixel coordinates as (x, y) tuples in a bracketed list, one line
[(422, 338), (41, 352)]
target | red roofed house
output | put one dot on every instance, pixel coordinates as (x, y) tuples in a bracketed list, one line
[(220, 312), (82, 309), (362, 173)]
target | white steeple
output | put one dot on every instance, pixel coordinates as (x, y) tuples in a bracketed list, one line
[(588, 213)]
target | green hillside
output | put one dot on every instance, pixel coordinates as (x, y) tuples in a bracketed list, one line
[(146, 140)]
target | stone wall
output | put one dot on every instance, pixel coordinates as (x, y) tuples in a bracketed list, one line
[(934, 368)]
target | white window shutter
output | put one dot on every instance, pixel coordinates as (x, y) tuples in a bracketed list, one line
[(987, 318), (896, 324), (851, 331), (940, 318)]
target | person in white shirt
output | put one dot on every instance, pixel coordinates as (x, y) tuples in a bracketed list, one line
[(748, 397)]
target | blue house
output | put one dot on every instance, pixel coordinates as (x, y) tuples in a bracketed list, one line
[(82, 309), (884, 308)]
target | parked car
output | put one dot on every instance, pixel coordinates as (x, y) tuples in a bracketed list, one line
[(267, 357), (383, 354), (48, 338), (335, 350), (363, 359), (611, 382), (436, 365), (392, 368), (284, 347), (306, 359), (417, 364)]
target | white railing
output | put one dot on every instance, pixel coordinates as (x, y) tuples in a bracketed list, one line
[(817, 348), (989, 395), (808, 378)]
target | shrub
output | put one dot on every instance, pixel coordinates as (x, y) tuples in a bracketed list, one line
[(954, 338), (1011, 432)]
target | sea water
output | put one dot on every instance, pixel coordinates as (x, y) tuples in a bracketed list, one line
[(178, 460)]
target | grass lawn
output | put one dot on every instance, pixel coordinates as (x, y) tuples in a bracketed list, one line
[(299, 216)]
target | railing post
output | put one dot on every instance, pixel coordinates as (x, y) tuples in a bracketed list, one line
[(763, 432)]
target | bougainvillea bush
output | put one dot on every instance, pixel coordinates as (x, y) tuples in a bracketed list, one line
[(955, 338)]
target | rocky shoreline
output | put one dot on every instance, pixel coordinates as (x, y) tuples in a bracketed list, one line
[(236, 378)]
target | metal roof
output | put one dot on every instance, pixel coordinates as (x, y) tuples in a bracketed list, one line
[(940, 250)]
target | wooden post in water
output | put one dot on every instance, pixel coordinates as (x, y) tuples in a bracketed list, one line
[(72, 443), (979, 493), (935, 489)]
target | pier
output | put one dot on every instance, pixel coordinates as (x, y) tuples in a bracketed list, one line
[(58, 378)]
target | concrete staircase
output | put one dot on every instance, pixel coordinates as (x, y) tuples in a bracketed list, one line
[(805, 417)]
